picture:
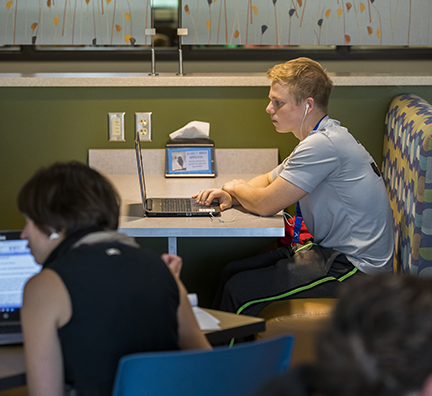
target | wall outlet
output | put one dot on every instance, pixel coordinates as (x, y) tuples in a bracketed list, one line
[(143, 126), (116, 131)]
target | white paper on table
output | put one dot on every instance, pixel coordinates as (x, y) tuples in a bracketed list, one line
[(205, 320)]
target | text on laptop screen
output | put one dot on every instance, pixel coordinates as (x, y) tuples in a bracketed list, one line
[(189, 160), (17, 265)]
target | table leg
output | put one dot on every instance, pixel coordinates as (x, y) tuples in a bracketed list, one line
[(172, 245)]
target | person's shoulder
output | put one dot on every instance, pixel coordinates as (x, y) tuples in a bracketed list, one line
[(46, 301), (329, 128), (43, 287), (320, 137), (316, 143), (96, 254), (331, 136), (45, 278)]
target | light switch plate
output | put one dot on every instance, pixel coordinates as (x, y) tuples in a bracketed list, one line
[(116, 131), (143, 126)]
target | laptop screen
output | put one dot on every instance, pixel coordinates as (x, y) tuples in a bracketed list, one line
[(17, 265), (140, 166)]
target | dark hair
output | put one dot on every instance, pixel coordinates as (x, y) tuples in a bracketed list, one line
[(379, 341), (69, 197)]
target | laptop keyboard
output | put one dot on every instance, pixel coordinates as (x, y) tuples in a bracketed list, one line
[(176, 204), (8, 329)]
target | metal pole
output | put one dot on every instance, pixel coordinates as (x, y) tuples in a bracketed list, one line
[(153, 54), (180, 73), (180, 33), (153, 61)]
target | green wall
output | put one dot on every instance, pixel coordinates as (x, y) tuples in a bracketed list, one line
[(41, 125)]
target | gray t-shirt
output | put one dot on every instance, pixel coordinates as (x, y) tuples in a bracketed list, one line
[(347, 207)]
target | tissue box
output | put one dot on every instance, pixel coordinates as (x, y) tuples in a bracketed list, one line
[(190, 158)]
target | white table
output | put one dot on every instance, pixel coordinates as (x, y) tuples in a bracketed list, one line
[(120, 167), (234, 222)]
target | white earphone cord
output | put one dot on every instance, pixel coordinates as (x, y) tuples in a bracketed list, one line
[(304, 117)]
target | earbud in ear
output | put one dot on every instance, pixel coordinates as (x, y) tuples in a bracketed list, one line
[(54, 235), (307, 106)]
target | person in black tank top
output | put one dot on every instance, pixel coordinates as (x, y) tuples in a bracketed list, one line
[(99, 295)]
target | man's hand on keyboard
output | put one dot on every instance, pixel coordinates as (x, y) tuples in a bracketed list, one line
[(206, 197)]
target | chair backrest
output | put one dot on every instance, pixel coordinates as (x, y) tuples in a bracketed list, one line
[(236, 371), (407, 172)]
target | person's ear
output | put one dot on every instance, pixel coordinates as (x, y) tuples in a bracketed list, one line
[(309, 104)]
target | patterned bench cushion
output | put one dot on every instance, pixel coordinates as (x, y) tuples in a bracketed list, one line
[(407, 172)]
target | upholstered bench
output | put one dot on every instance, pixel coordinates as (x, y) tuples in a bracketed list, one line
[(407, 173)]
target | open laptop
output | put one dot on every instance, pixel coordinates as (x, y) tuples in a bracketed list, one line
[(168, 206), (17, 265)]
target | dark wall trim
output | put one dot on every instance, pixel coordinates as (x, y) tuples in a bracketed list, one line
[(29, 53)]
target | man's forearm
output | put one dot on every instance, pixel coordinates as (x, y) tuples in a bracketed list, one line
[(260, 181), (251, 194), (264, 200), (250, 197)]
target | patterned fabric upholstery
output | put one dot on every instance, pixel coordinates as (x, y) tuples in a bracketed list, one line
[(407, 172)]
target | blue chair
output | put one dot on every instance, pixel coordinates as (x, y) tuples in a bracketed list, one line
[(237, 371)]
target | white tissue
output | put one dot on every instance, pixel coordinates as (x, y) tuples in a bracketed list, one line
[(195, 129)]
